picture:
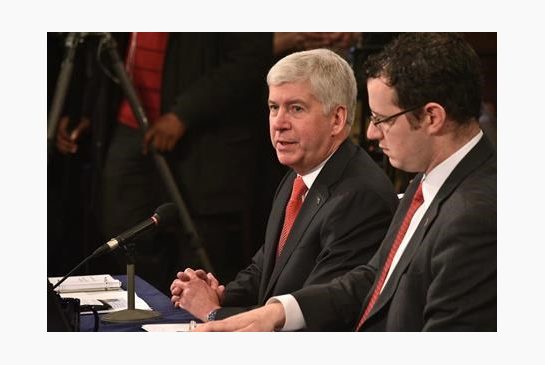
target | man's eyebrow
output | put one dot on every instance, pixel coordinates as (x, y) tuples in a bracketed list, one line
[(295, 101), (377, 114), (289, 102)]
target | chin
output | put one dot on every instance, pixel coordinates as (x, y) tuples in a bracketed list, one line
[(403, 167), (283, 159), (399, 165), (395, 163)]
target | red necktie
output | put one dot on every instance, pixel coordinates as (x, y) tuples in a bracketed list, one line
[(417, 201), (292, 209)]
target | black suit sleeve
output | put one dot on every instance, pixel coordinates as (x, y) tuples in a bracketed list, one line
[(351, 233), (243, 290), (335, 306)]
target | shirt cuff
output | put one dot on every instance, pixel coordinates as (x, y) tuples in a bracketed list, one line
[(294, 317)]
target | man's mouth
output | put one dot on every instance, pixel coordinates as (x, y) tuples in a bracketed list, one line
[(282, 143)]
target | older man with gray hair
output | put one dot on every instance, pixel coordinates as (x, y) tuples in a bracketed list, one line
[(329, 213)]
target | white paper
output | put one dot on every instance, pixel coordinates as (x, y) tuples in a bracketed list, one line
[(86, 283), (117, 299), (170, 327)]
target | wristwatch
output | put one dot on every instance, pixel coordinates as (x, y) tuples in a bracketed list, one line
[(211, 315)]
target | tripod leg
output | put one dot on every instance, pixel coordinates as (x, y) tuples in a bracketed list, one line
[(61, 89), (160, 162)]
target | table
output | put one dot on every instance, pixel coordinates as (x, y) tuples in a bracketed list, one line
[(155, 299)]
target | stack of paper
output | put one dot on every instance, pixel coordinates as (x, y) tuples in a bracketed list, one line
[(103, 292), (86, 283)]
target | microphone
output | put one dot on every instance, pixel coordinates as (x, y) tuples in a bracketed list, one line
[(164, 215)]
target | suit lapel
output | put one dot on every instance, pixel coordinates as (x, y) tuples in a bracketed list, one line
[(313, 202), (473, 160), (274, 226), (316, 198)]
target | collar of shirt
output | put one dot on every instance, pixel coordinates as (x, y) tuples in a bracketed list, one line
[(313, 174), (432, 182)]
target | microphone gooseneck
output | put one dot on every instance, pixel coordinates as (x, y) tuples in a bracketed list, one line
[(164, 215)]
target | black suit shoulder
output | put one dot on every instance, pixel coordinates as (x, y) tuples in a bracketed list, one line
[(341, 224), (446, 278)]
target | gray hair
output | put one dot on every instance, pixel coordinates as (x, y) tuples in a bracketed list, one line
[(331, 78)]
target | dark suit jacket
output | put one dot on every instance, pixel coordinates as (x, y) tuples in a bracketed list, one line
[(341, 223), (445, 279)]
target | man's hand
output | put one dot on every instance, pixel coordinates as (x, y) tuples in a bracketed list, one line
[(164, 133), (209, 278), (263, 319), (197, 292), (67, 143)]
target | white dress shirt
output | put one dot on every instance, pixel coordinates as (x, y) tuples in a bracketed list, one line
[(431, 183), (309, 178)]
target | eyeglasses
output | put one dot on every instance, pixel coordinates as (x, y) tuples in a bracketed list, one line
[(384, 124)]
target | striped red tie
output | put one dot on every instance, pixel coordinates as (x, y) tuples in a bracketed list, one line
[(292, 209), (417, 201)]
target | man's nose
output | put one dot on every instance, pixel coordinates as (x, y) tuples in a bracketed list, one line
[(374, 132), (280, 121)]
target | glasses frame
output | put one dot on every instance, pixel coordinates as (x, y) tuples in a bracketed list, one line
[(378, 122)]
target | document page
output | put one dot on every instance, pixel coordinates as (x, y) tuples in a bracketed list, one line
[(86, 283), (170, 327), (115, 299)]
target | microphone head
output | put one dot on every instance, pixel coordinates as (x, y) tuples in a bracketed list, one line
[(166, 214)]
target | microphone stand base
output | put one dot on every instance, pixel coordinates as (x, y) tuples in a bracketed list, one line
[(130, 315)]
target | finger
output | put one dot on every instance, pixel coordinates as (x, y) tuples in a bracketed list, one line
[(159, 142), (174, 284), (75, 134), (221, 326), (220, 291), (174, 299), (66, 146), (183, 276), (248, 328), (212, 281), (171, 142), (179, 287), (205, 327), (168, 143), (184, 285), (202, 327), (149, 135), (63, 123), (63, 134), (201, 274), (191, 273), (148, 138)]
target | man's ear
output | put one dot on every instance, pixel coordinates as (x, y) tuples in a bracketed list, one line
[(338, 120), (434, 118)]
